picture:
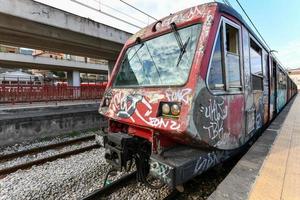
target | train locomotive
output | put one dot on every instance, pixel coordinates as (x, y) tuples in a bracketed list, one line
[(187, 92)]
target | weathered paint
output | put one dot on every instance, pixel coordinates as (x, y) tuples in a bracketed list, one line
[(281, 99), (249, 106), (221, 121), (266, 92), (139, 106)]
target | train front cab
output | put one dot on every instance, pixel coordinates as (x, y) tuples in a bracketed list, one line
[(238, 88)]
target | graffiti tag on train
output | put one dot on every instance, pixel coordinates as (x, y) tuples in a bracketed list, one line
[(216, 113)]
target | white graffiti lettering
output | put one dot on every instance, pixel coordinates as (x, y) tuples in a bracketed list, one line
[(179, 95), (198, 11), (125, 106), (161, 123), (206, 162), (216, 113), (161, 171)]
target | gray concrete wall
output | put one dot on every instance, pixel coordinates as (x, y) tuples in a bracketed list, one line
[(19, 125)]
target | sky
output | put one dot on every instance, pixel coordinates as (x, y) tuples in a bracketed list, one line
[(277, 20)]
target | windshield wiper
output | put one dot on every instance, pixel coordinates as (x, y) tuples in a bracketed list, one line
[(179, 42), (138, 40)]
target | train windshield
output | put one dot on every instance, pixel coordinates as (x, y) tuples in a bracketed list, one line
[(164, 60)]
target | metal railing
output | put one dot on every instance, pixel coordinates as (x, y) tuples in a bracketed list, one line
[(44, 93)]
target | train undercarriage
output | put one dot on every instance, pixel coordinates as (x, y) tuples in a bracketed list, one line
[(173, 166)]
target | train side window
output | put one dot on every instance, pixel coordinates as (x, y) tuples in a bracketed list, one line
[(215, 79), (224, 70), (232, 48), (256, 66)]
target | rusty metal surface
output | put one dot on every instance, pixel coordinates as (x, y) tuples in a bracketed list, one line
[(224, 121)]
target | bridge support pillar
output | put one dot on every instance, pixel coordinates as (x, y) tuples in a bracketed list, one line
[(73, 78), (111, 65)]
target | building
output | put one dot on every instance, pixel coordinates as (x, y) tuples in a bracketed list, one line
[(19, 77), (295, 76), (52, 76)]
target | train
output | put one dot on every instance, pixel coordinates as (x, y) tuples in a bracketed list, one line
[(188, 92)]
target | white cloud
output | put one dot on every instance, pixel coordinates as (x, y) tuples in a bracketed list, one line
[(289, 54)]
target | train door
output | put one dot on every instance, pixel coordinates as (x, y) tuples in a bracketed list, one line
[(288, 89), (234, 96), (266, 85), (225, 82), (248, 95), (273, 90), (281, 90), (257, 79), (275, 77)]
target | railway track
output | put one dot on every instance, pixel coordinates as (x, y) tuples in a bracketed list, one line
[(118, 184), (112, 187), (7, 157)]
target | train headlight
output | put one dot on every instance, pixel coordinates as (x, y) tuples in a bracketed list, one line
[(165, 109), (175, 109)]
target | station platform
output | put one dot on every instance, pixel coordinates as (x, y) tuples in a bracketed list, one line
[(10, 106), (29, 122), (270, 170)]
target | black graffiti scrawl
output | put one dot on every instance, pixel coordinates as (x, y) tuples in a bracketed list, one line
[(128, 104)]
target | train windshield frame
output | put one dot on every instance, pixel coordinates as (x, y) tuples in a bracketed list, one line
[(165, 60)]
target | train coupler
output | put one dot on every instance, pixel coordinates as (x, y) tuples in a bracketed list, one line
[(120, 150)]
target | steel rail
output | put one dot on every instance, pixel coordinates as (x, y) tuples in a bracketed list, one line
[(45, 148), (109, 189), (27, 165)]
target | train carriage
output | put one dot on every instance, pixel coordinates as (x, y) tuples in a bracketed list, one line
[(188, 91)]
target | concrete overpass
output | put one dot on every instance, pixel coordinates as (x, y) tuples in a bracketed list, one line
[(12, 60), (31, 24)]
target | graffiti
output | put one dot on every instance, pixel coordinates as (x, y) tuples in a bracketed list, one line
[(281, 96), (179, 95), (211, 159), (250, 120), (228, 141), (259, 112), (161, 123), (215, 113), (198, 11), (125, 106), (206, 162), (161, 171)]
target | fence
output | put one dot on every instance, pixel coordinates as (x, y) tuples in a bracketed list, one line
[(44, 93)]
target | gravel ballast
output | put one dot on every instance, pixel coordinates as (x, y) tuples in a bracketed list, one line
[(68, 178), (45, 154), (77, 176), (30, 145)]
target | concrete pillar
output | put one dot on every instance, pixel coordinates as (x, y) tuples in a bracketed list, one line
[(73, 78), (111, 65)]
